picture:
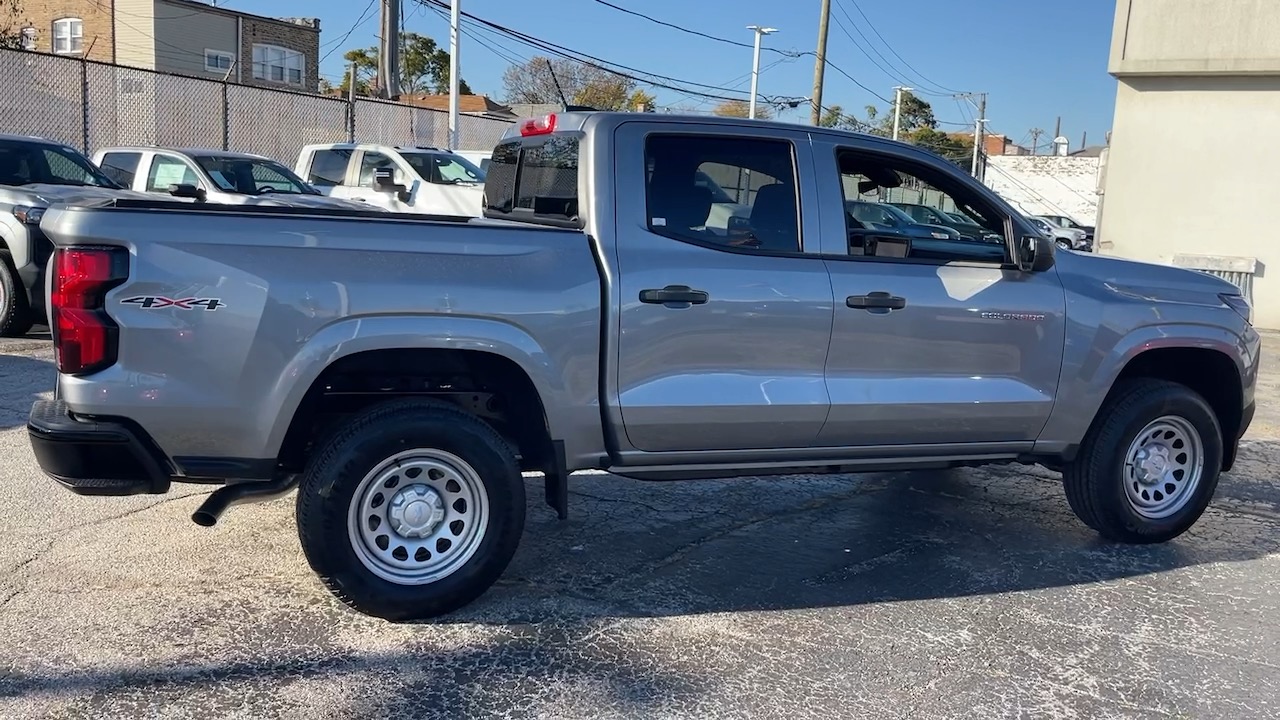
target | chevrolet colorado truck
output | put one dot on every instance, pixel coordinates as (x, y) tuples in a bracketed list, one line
[(402, 371)]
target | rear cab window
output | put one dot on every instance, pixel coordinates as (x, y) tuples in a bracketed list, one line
[(329, 167), (534, 178), (121, 167)]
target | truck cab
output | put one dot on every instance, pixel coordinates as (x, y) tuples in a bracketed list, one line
[(420, 180)]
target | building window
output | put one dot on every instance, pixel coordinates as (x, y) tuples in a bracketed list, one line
[(29, 38), (217, 61), (68, 36), (278, 64)]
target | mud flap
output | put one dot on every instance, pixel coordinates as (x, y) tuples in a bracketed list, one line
[(557, 481)]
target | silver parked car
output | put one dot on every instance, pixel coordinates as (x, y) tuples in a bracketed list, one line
[(1065, 237), (214, 176)]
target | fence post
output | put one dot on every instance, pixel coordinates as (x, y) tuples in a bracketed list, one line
[(84, 104), (226, 117), (351, 120)]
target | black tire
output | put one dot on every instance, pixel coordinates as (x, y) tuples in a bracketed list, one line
[(16, 317), (1095, 480), (334, 474)]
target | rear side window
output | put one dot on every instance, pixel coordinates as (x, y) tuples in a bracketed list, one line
[(534, 180), (121, 167), (329, 167)]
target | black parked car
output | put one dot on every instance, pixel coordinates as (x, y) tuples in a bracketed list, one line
[(960, 223)]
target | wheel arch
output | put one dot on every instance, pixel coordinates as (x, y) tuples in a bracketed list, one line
[(442, 344)]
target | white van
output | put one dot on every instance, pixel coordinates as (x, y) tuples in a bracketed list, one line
[(405, 180)]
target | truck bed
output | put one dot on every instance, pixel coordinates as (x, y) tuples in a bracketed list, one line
[(297, 289)]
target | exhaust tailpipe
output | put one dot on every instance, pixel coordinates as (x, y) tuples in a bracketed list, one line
[(219, 500)]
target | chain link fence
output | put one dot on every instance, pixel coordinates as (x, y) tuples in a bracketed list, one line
[(92, 105)]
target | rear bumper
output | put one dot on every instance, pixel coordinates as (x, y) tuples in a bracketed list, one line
[(95, 457)]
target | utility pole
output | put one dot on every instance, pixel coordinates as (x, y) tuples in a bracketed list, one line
[(820, 63), (1035, 139), (755, 64), (389, 50), (978, 137), (897, 108), (455, 72)]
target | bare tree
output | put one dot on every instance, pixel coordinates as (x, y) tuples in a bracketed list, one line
[(11, 24), (741, 109), (543, 80)]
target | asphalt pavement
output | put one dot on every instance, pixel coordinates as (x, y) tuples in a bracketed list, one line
[(965, 594)]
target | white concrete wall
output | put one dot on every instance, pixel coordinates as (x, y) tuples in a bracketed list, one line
[(1188, 173), (1047, 185)]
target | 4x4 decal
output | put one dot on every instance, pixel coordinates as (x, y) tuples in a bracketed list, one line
[(154, 302)]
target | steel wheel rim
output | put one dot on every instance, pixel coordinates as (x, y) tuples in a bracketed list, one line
[(1163, 467), (418, 516)]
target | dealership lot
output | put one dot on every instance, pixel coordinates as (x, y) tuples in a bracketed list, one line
[(966, 593)]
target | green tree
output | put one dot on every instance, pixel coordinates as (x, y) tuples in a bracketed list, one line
[(542, 80), (424, 68)]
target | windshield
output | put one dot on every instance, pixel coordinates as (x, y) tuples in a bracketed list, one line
[(444, 168), (29, 163), (252, 176)]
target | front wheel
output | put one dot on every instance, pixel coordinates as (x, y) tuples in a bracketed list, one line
[(412, 510), (1149, 466), (16, 317)]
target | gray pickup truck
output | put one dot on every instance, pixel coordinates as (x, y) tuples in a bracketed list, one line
[(401, 371)]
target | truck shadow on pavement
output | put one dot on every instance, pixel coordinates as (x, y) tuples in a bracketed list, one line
[(22, 380), (661, 549)]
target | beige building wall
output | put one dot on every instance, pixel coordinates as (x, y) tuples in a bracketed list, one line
[(135, 33), (1191, 169)]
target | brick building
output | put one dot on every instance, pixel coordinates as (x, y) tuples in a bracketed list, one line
[(186, 37)]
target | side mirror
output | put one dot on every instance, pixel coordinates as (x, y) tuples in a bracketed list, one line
[(1034, 253), (384, 180), (186, 190), (407, 196)]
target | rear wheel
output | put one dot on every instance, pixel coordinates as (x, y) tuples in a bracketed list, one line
[(16, 317), (412, 510), (1150, 464)]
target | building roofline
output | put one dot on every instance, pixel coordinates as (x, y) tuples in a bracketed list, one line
[(194, 5)]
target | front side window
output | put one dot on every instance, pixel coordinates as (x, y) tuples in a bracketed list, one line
[(25, 163), (372, 161), (444, 168), (278, 64), (878, 188), (68, 36), (755, 208), (169, 171), (121, 166)]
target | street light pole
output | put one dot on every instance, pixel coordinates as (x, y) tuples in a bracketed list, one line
[(755, 64), (897, 108)]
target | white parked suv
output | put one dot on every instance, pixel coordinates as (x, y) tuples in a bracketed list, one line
[(418, 180), (213, 176)]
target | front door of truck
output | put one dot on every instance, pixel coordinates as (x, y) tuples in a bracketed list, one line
[(724, 321), (940, 345)]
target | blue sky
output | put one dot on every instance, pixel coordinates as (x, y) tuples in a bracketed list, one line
[(1037, 60)]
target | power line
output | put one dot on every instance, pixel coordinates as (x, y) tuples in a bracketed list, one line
[(919, 74), (794, 54), (563, 52), (364, 18)]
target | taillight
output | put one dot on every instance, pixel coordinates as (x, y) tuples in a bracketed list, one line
[(84, 336), (538, 126)]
